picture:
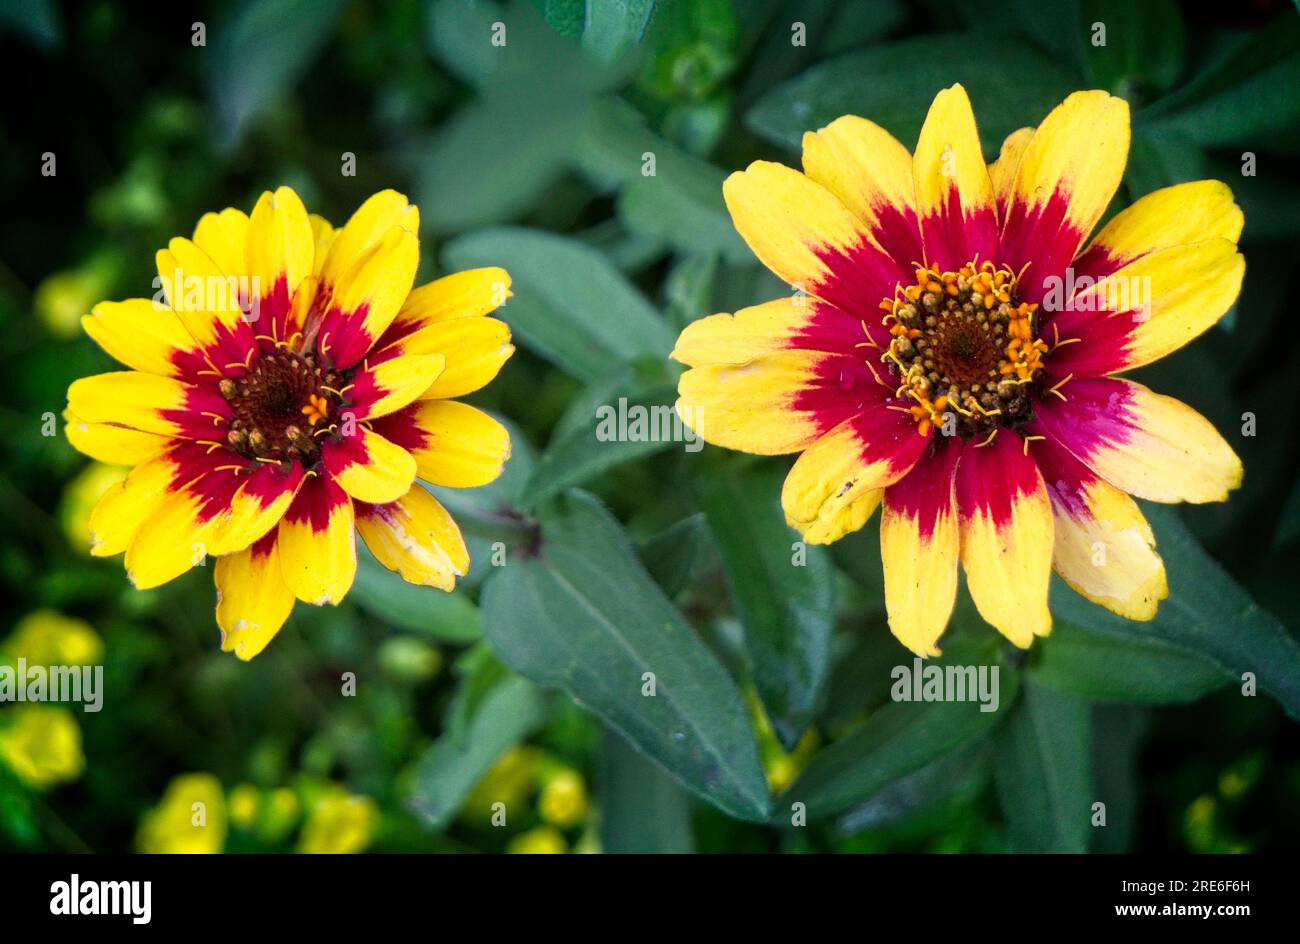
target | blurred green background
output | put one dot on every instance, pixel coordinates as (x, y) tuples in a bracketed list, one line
[(530, 155)]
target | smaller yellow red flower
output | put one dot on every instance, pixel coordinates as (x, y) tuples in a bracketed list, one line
[(283, 396)]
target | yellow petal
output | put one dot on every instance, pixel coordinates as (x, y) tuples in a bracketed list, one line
[(1068, 173), (796, 227), (143, 336), (175, 536), (871, 173), (1143, 443), (322, 234), (1185, 213), (145, 402), (366, 298), (200, 292), (919, 548), (1149, 308), (121, 510), (367, 227), (256, 507), (835, 486), (416, 537), (115, 445), (954, 196), (253, 601), (454, 444), (469, 294), (1104, 547), (317, 544), (280, 252), (222, 236), (390, 385), (1002, 172), (753, 407), (1005, 519), (369, 467), (474, 348), (773, 326)]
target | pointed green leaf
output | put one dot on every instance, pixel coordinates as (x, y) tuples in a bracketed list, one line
[(899, 738), (1043, 773), (583, 615), (642, 809), (610, 436), (784, 593), (1207, 613)]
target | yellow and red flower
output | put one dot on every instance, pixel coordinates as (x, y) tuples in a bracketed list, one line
[(285, 390), (950, 353)]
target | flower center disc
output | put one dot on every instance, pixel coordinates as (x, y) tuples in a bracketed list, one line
[(282, 407), (963, 347)]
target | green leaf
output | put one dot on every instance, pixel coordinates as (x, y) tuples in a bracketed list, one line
[(37, 21), (1207, 613), (606, 29), (448, 617), (1242, 97), (457, 761), (679, 204), (671, 556), (1118, 732), (495, 157), (1145, 44), (260, 53), (642, 809), (1043, 775), (571, 305), (690, 49), (894, 84), (629, 426), (1113, 669), (787, 608), (965, 771), (583, 615), (688, 289), (898, 739), (1161, 160), (613, 27), (1288, 525)]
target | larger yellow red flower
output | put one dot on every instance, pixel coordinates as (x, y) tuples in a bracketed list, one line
[(285, 391), (949, 353)]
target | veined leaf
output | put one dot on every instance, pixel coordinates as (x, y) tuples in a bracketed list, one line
[(785, 596), (642, 809), (1108, 668), (605, 441), (584, 615), (451, 768), (448, 617), (897, 740), (1042, 766), (1207, 613)]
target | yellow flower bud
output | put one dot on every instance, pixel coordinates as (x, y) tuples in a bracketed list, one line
[(544, 840), (339, 823), (46, 637), (189, 819), (564, 799), (41, 744)]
